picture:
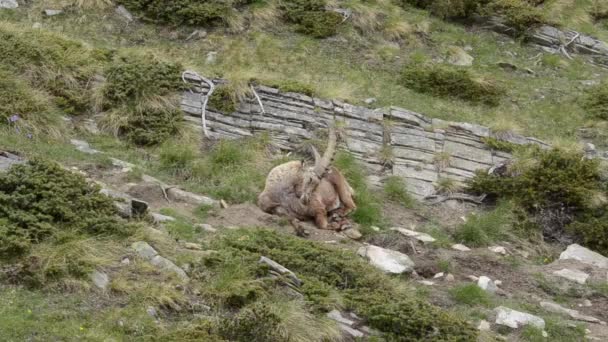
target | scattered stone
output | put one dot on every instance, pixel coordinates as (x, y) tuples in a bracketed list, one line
[(486, 284), (193, 246), (190, 198), (149, 253), (387, 260), (207, 227), (515, 319), (223, 204), (458, 56), (197, 34), (498, 249), (438, 275), (127, 206), (36, 26), (100, 279), (126, 166), (52, 12), (281, 270), (472, 278), (584, 255), (8, 159), (370, 101), (211, 57), (587, 303), (449, 277), (423, 237), (83, 146), (337, 316), (574, 314), (573, 275), (125, 261), (160, 218), (545, 334), (90, 126), (350, 331), (124, 13), (483, 325), (10, 4), (152, 312), (507, 66), (376, 229), (353, 233), (497, 282), (460, 247), (590, 83), (426, 282)]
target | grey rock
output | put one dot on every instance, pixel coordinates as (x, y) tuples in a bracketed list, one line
[(423, 237), (370, 101), (207, 227), (36, 26), (281, 270), (460, 247), (483, 325), (144, 250), (9, 4), (515, 319), (83, 146), (498, 249), (458, 56), (337, 316), (160, 218), (351, 331), (211, 57), (168, 265), (190, 198), (100, 279), (387, 260), (572, 275), (486, 284), (574, 314), (152, 312), (52, 12), (124, 13), (584, 255), (8, 159)]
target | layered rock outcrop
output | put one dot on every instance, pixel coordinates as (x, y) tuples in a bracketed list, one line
[(389, 141)]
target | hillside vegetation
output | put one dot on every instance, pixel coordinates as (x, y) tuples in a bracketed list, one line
[(73, 266)]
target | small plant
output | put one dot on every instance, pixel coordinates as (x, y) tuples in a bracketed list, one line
[(311, 17), (255, 323), (293, 86), (595, 101), (442, 160), (177, 158), (470, 294), (395, 190), (447, 186), (451, 81), (485, 228), (224, 99), (499, 145)]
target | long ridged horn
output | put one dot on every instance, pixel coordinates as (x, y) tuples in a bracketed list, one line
[(323, 164)]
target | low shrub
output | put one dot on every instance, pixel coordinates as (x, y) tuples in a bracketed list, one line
[(451, 81), (224, 99), (255, 323), (470, 294), (595, 101), (293, 86), (18, 98), (186, 12), (332, 276), (311, 17), (395, 190), (485, 228)]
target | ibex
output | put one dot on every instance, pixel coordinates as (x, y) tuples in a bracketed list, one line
[(301, 192)]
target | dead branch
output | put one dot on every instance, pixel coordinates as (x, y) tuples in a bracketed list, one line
[(257, 97), (436, 199), (204, 98)]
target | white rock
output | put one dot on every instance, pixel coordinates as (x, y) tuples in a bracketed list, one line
[(573, 275), (83, 146), (337, 316), (457, 56), (587, 303), (486, 284), (584, 255), (152, 311), (144, 249), (211, 57), (449, 277), (9, 4), (423, 237), (52, 12), (36, 25), (438, 275), (545, 334), (100, 279), (387, 260), (574, 314), (149, 253), (497, 282), (460, 247), (498, 249), (472, 278), (160, 218), (350, 331), (483, 325), (125, 261), (193, 246), (207, 227), (370, 101), (426, 282), (123, 12), (190, 198), (515, 319)]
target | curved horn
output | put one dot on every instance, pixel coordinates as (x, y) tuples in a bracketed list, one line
[(323, 164), (315, 154)]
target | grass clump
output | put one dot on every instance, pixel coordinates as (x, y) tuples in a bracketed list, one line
[(42, 203), (395, 190), (470, 294), (369, 209), (141, 95), (18, 98), (486, 228), (224, 99), (311, 17), (595, 101), (451, 81), (332, 276), (293, 86), (187, 12)]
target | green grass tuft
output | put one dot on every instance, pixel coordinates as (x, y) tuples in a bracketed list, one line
[(470, 294)]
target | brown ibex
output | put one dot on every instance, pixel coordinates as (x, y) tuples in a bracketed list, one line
[(301, 192)]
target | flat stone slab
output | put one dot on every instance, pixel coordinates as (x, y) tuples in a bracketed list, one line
[(573, 275), (515, 319), (486, 284), (149, 253), (10, 4), (423, 237), (460, 247), (100, 279), (574, 314), (387, 260), (584, 255)]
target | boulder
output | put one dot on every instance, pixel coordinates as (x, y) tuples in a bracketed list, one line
[(573, 275), (423, 237), (179, 195), (457, 56), (9, 4), (83, 146), (387, 260), (483, 325), (584, 255), (100, 279), (52, 12), (160, 218), (8, 159), (574, 314), (337, 316), (498, 249), (486, 284), (460, 247), (515, 319)]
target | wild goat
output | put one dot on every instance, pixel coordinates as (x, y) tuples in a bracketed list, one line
[(301, 192)]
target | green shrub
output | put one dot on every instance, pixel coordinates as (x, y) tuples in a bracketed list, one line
[(329, 273), (499, 145), (448, 8), (451, 81), (293, 86), (224, 99), (369, 209), (40, 200), (311, 17), (470, 294), (485, 228), (17, 97), (152, 126), (595, 101), (186, 12), (592, 230), (63, 68), (395, 190), (177, 158), (255, 323)]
